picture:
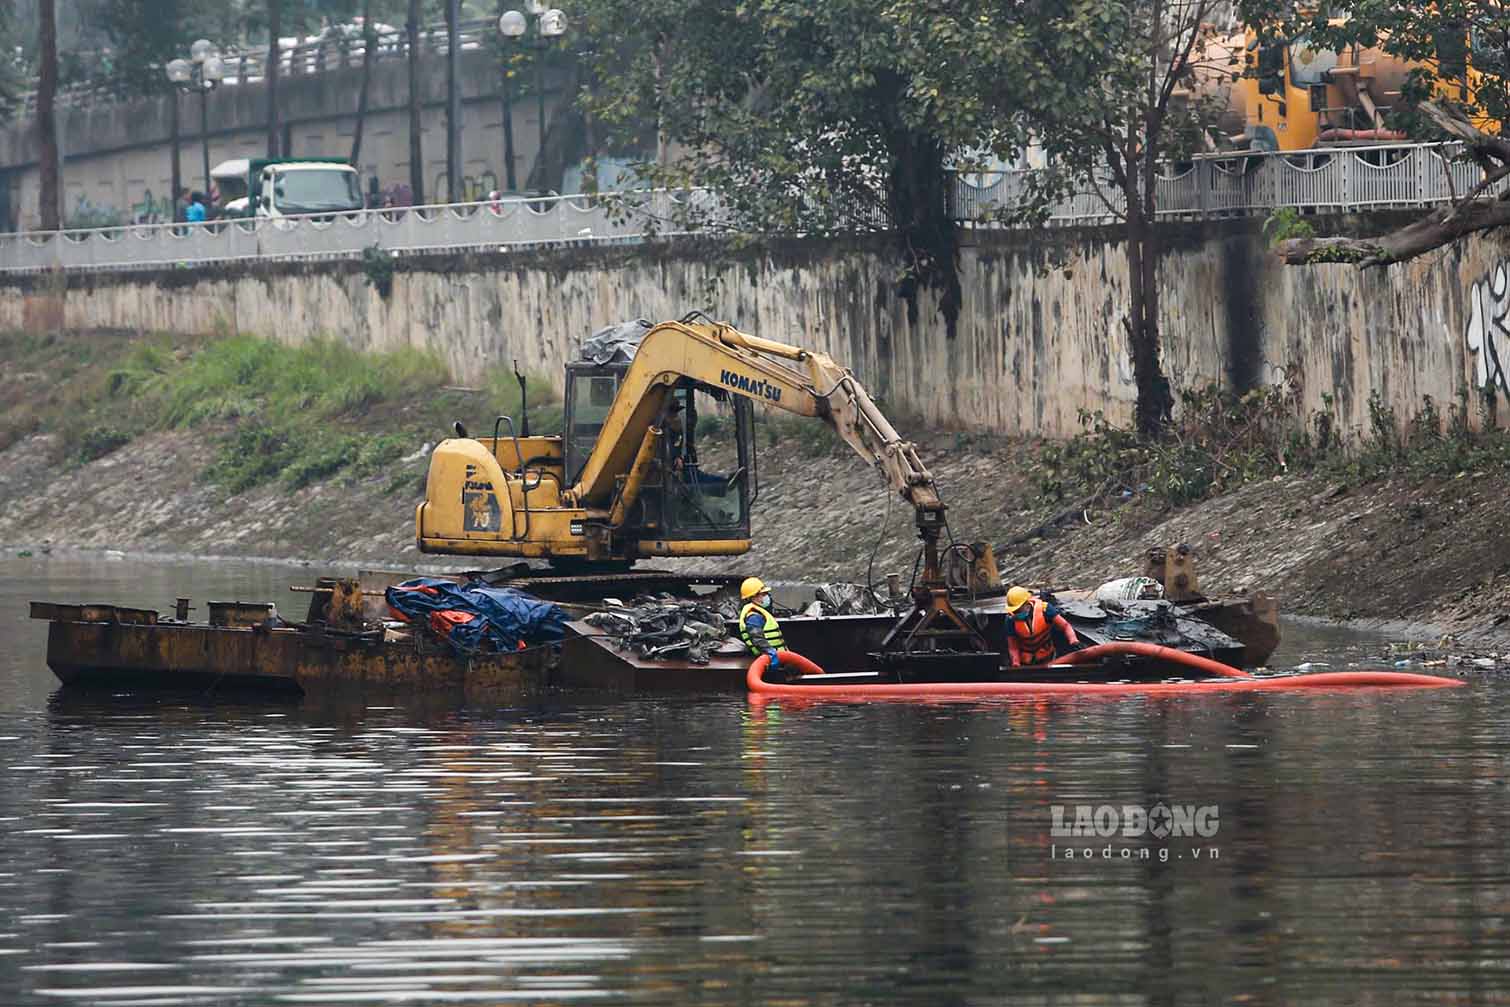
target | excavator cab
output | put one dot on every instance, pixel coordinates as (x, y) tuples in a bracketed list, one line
[(701, 483), (590, 391)]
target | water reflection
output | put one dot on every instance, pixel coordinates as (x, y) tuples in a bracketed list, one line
[(183, 850)]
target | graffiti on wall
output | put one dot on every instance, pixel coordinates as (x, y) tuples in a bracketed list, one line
[(150, 209), (86, 213), (1488, 333), (474, 188)]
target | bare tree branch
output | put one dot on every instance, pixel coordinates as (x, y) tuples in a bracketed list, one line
[(1100, 194), (1440, 228)]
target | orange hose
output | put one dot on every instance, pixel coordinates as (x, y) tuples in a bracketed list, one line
[(788, 659), (1153, 650)]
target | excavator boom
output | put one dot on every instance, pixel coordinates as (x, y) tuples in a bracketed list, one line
[(763, 370), (610, 490)]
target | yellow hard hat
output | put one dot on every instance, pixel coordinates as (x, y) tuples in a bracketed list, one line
[(752, 587), (1017, 597)]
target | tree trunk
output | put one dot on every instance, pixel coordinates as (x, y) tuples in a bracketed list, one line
[(1478, 210), (1155, 400), (270, 72), (662, 152), (47, 126), (453, 104), (416, 154), (918, 205), (590, 163), (369, 54), (175, 167)]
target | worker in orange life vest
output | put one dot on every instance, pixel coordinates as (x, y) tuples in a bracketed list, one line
[(1030, 628)]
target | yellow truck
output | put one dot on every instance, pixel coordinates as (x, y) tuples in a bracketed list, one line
[(1289, 95)]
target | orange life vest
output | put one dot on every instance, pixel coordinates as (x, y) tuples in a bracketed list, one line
[(1035, 638)]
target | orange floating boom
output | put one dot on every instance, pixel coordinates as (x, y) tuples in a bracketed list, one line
[(1228, 680)]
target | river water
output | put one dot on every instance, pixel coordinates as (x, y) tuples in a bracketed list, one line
[(1326, 848)]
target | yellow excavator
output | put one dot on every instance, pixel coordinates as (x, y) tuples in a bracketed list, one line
[(657, 458)]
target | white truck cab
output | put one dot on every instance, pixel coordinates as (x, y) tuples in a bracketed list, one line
[(260, 187)]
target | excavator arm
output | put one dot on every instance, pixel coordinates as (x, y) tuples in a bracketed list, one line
[(534, 497), (799, 381), (775, 374)]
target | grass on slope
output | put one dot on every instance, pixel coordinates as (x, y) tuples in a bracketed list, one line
[(292, 414)]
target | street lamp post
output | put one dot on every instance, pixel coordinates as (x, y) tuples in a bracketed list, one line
[(549, 23), (201, 72)]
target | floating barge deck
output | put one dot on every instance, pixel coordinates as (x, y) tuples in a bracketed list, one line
[(342, 650), (114, 647)]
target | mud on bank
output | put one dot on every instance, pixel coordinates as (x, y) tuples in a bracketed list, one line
[(1426, 551)]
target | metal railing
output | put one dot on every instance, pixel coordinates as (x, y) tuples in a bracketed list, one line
[(1332, 180), (1216, 185), (491, 225), (331, 50)]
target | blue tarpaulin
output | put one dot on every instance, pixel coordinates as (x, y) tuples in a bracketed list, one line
[(501, 615)]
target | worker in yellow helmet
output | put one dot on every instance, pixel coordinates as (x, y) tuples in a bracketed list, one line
[(1030, 628), (758, 628)]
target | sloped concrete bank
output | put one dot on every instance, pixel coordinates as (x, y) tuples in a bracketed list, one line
[(1040, 336), (1416, 558)]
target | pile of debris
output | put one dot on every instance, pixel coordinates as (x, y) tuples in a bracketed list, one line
[(669, 628), (846, 599), (663, 628)]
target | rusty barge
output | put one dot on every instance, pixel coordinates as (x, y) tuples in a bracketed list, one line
[(346, 647)]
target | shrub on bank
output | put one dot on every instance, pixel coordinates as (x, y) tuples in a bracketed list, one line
[(1219, 440)]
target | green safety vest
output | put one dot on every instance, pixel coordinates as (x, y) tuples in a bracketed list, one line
[(771, 627)]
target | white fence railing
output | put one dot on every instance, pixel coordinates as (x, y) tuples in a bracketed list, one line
[(497, 224), (1238, 184), (339, 46), (1230, 185)]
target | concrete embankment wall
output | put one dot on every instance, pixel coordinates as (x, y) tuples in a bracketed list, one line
[(1040, 336)]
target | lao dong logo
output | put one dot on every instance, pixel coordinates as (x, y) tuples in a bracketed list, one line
[(1086, 821)]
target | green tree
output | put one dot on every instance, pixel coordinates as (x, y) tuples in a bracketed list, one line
[(806, 116), (14, 69), (1100, 86), (819, 116)]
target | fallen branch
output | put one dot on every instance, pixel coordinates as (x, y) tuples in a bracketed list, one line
[(1440, 228), (1474, 212)]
